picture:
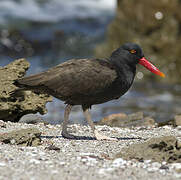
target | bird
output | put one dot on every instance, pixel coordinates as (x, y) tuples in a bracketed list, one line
[(87, 82)]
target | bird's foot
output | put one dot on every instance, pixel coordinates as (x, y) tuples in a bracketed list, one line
[(66, 135), (103, 137)]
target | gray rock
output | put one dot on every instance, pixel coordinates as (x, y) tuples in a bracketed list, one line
[(31, 119)]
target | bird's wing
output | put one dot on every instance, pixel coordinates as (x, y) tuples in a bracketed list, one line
[(81, 76)]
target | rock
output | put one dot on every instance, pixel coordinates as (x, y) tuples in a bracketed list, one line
[(24, 137), (177, 120), (31, 119), (123, 120), (8, 74), (13, 107), (148, 121), (114, 120), (135, 116), (156, 149)]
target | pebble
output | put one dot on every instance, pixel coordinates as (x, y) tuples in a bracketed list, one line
[(2, 164), (118, 162), (178, 128), (83, 159)]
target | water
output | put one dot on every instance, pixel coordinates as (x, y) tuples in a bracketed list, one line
[(48, 32), (53, 11)]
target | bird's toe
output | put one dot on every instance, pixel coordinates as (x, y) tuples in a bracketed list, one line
[(103, 137), (68, 136)]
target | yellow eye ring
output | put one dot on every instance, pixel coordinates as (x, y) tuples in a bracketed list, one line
[(132, 51)]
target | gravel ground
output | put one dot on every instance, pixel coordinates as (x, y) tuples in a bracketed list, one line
[(86, 159)]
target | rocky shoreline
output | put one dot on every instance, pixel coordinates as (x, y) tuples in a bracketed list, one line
[(34, 149), (86, 158)]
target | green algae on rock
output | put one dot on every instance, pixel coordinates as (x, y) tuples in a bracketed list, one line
[(12, 107), (167, 148), (23, 137)]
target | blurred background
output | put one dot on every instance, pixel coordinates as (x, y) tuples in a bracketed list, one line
[(49, 32)]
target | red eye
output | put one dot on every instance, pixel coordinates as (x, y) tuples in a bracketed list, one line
[(132, 51)]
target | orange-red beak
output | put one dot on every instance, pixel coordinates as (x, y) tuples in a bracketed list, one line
[(144, 62)]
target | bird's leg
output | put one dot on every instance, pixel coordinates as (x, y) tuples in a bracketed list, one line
[(91, 124), (65, 133)]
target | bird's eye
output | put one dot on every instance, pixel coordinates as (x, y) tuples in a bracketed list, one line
[(132, 51)]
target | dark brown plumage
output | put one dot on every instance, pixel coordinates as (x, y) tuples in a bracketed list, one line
[(77, 82), (87, 81)]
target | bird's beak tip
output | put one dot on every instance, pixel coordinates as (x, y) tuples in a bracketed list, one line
[(144, 62), (162, 75)]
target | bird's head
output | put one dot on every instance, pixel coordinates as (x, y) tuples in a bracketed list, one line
[(132, 54)]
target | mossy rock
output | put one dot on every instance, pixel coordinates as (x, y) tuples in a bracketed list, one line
[(13, 107)]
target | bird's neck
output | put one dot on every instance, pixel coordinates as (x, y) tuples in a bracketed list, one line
[(124, 70)]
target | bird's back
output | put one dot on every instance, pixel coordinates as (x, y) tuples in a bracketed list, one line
[(75, 81)]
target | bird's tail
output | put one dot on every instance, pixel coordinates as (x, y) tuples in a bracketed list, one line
[(18, 90), (28, 83)]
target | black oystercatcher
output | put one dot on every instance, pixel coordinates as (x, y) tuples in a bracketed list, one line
[(87, 82)]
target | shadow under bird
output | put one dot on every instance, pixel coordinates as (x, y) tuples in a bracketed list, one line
[(87, 82)]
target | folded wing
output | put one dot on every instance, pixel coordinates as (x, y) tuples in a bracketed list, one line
[(82, 76)]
